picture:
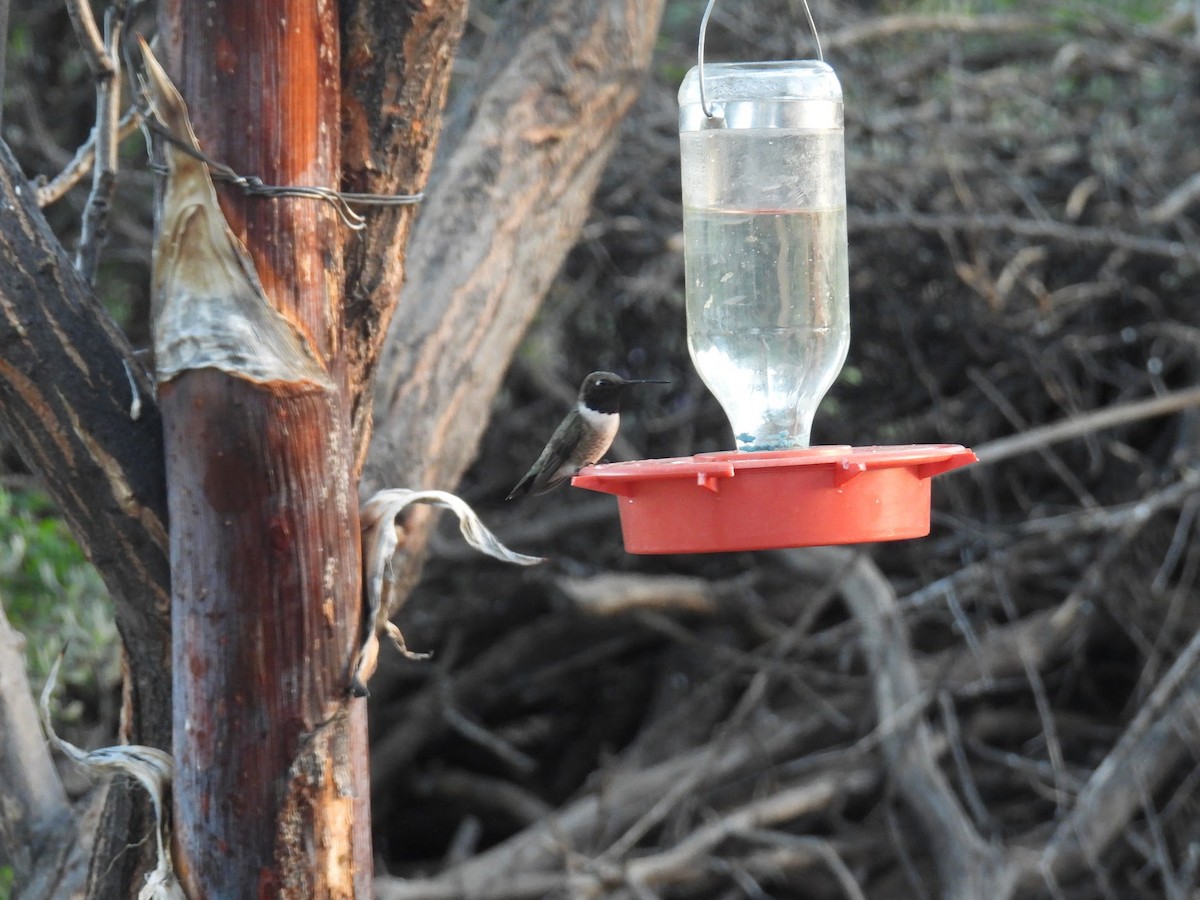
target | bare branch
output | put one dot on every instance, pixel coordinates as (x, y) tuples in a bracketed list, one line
[(620, 800), (33, 810), (94, 46), (680, 864), (613, 593), (72, 427), (1175, 203), (1072, 235), (3, 55), (104, 59), (787, 803), (1164, 730), (886, 28), (969, 867), (1036, 641), (82, 162), (1078, 426)]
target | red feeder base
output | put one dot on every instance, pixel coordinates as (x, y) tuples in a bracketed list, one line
[(716, 502)]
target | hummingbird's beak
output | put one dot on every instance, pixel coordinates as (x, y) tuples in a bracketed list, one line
[(646, 381)]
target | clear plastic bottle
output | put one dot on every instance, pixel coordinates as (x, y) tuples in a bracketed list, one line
[(764, 222)]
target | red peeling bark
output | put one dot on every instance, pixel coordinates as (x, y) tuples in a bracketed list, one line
[(271, 795)]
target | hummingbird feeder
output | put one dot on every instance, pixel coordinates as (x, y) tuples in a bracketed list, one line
[(768, 318)]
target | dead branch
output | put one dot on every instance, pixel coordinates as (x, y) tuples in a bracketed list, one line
[(103, 468), (1166, 728), (969, 867), (1062, 232), (3, 50), (783, 805), (1175, 203), (103, 55), (1078, 426), (625, 797), (1035, 642), (35, 816), (83, 161), (884, 28), (616, 593)]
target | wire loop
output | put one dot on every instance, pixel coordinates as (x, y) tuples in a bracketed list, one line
[(253, 186), (705, 106)]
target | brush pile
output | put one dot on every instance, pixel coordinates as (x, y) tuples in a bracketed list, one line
[(1007, 708)]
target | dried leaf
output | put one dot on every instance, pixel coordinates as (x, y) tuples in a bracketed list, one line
[(152, 768), (379, 546), (209, 308)]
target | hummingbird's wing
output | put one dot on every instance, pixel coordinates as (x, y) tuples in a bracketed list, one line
[(551, 469)]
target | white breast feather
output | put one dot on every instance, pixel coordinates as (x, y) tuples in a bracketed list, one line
[(605, 424)]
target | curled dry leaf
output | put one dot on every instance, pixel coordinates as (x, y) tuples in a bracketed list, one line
[(209, 308), (152, 768), (380, 540)]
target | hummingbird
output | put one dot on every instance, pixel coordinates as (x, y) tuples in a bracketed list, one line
[(582, 438)]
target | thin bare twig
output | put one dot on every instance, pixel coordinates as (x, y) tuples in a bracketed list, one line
[(781, 806), (83, 161), (1040, 700), (614, 593), (966, 781), (1164, 729), (968, 865), (1175, 203), (1112, 518), (1077, 426), (1062, 232), (824, 849), (888, 28), (3, 57), (87, 32), (103, 55), (503, 750), (1053, 460)]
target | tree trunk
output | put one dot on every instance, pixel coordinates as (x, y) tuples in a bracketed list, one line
[(505, 207), (265, 558), (67, 397), (100, 455), (396, 65), (394, 77), (68, 380)]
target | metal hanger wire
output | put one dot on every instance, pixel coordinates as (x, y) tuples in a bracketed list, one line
[(704, 104)]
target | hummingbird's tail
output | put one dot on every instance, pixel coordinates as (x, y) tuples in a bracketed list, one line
[(522, 487)]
